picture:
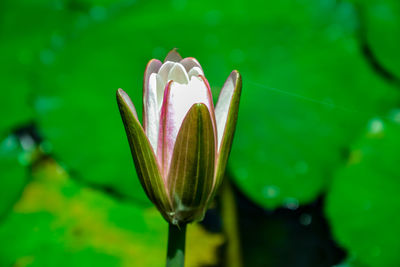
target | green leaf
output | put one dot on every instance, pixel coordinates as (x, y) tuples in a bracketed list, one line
[(307, 93), (13, 175), (92, 66), (29, 34), (307, 90), (57, 222), (191, 173), (363, 202), (380, 25)]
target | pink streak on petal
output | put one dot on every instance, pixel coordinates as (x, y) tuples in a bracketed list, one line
[(152, 67), (178, 99), (162, 133)]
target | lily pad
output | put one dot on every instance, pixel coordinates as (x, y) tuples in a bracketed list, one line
[(13, 175), (307, 92), (363, 201), (380, 22), (306, 86), (70, 225)]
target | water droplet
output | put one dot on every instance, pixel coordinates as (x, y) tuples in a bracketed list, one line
[(291, 203), (305, 219), (27, 142), (270, 191), (375, 126)]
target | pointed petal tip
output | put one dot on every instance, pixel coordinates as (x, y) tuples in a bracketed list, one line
[(198, 107), (173, 56), (124, 100), (122, 96), (235, 74), (155, 62), (190, 62), (120, 92)]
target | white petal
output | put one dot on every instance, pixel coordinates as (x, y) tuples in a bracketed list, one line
[(165, 69), (222, 107), (178, 74), (180, 99), (189, 63), (195, 71), (153, 66), (183, 97), (152, 112), (160, 91)]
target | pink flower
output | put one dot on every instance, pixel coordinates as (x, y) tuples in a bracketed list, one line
[(181, 152)]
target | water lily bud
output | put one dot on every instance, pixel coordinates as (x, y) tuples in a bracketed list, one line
[(182, 149)]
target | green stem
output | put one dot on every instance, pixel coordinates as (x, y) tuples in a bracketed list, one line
[(176, 246), (233, 255)]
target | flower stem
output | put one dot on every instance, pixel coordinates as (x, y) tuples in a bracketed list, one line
[(176, 246), (230, 226)]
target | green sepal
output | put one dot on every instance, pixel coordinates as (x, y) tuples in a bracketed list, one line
[(191, 174), (229, 132), (143, 156)]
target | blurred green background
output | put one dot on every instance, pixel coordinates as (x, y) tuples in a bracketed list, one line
[(313, 178)]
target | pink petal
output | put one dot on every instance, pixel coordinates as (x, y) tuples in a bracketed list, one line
[(223, 104), (178, 98)]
